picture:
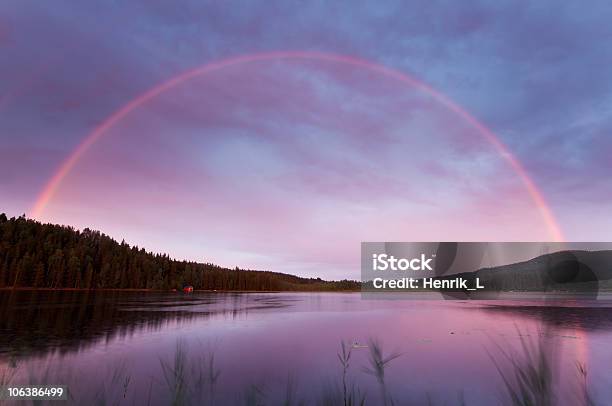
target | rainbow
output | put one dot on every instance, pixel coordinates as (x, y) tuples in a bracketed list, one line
[(69, 163)]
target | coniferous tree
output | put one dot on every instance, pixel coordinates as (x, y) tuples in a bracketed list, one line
[(51, 256), (39, 276), (88, 277)]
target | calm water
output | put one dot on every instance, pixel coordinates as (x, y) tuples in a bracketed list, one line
[(126, 347)]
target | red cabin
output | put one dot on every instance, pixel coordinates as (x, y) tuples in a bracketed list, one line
[(188, 289)]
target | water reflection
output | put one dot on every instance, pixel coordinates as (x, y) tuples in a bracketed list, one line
[(584, 318), (275, 344), (35, 322)]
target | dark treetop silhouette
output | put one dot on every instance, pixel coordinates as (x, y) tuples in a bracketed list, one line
[(39, 255)]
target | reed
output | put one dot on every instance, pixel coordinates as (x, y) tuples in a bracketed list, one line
[(189, 379), (8, 374), (378, 364), (587, 399), (175, 375), (529, 379)]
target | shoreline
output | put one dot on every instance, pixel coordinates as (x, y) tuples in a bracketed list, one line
[(21, 288)]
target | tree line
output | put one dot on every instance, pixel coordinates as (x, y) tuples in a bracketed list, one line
[(33, 254)]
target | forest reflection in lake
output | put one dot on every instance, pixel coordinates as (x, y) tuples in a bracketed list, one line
[(255, 348)]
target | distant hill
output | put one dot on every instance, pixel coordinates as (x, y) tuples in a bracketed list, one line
[(572, 270), (578, 271), (39, 255)]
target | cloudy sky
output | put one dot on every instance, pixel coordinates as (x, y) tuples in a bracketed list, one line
[(308, 127)]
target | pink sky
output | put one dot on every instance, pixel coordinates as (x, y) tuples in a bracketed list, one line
[(288, 166)]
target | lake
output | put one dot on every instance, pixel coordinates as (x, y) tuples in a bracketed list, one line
[(285, 348)]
